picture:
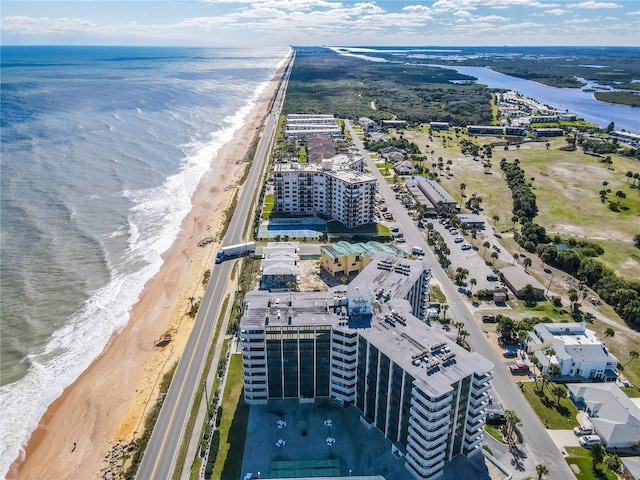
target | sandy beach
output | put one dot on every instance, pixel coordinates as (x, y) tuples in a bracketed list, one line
[(107, 403)]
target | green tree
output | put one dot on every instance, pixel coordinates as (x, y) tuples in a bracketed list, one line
[(541, 471), (473, 282), (613, 463), (528, 292), (597, 455), (559, 392), (512, 421), (527, 263), (494, 256), (633, 354), (620, 195), (609, 332), (487, 245), (495, 219), (463, 187)]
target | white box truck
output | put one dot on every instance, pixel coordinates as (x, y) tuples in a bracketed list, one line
[(233, 251)]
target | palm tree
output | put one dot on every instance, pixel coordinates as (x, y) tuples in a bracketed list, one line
[(463, 187), (485, 245), (527, 263), (514, 220), (620, 195), (549, 352), (512, 421), (545, 379), (558, 392), (494, 256), (609, 332), (633, 354), (445, 307), (629, 175), (541, 470), (473, 282), (495, 219)]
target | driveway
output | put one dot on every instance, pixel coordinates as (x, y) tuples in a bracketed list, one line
[(564, 438)]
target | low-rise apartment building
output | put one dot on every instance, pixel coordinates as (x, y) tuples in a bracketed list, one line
[(362, 345), (344, 258), (300, 125)]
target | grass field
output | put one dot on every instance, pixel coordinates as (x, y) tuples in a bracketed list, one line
[(581, 458), (555, 416), (233, 426), (268, 206), (566, 185)]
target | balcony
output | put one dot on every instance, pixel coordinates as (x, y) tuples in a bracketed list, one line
[(345, 356), (432, 472), (429, 418), (431, 406), (475, 408), (431, 432), (428, 454), (431, 464), (430, 426), (469, 445), (425, 442), (477, 390)]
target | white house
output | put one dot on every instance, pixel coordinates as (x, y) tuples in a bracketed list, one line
[(614, 416), (576, 351)]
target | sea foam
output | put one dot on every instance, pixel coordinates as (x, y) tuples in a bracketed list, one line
[(153, 224)]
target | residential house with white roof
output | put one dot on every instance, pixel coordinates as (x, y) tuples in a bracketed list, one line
[(614, 416), (575, 350)]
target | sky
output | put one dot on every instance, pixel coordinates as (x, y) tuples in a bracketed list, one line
[(261, 23)]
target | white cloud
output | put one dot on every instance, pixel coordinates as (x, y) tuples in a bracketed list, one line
[(578, 20), (555, 11), (44, 25), (591, 5)]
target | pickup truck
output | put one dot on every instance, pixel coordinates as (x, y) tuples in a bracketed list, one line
[(519, 369)]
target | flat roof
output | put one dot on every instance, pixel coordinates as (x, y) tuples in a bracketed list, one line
[(344, 248), (392, 328)]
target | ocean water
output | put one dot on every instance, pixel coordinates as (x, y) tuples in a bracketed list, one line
[(101, 151)]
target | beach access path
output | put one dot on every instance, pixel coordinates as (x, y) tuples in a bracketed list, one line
[(107, 404)]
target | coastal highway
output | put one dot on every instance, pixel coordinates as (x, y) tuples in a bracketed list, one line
[(162, 450), (537, 440)]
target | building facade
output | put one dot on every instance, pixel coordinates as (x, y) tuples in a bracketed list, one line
[(335, 187), (573, 351), (361, 345)]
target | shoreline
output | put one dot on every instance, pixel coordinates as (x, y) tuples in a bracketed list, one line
[(107, 403)]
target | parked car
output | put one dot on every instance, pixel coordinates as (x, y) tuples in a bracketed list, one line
[(509, 354), (454, 232), (496, 419), (583, 431), (458, 239), (401, 240), (492, 278), (466, 246), (496, 248), (588, 441), (394, 229), (488, 318)]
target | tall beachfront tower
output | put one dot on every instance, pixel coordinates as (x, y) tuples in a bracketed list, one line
[(362, 345)]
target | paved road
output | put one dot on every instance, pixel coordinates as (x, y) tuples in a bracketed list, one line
[(161, 452), (538, 444)]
